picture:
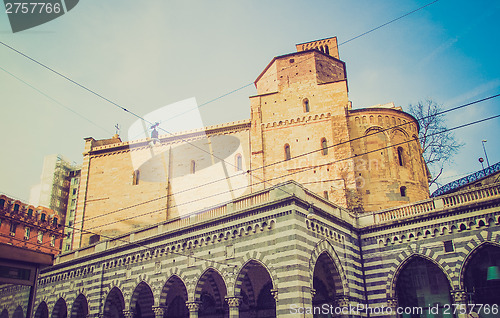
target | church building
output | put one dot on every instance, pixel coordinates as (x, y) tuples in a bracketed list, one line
[(310, 208)]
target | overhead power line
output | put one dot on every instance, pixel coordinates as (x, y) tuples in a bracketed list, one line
[(141, 118), (55, 100), (150, 123), (302, 170), (387, 23), (293, 158)]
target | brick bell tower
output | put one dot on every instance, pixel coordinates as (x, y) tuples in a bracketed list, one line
[(300, 107)]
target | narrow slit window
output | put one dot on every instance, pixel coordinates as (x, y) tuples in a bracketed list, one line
[(305, 103), (193, 166), (136, 176), (400, 156), (287, 152), (239, 162), (324, 147)]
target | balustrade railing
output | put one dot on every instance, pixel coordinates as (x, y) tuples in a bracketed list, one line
[(458, 199)]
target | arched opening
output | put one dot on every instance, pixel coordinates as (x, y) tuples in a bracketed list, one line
[(211, 293), (482, 276), (142, 301), (175, 299), (60, 309), (80, 307), (422, 284), (305, 104), (42, 311), (94, 238), (114, 305), (402, 191), (327, 50), (326, 283), (5, 313), (239, 162), (255, 290), (400, 156), (287, 152), (18, 313), (324, 147)]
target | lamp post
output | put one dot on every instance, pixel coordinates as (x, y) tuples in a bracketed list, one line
[(487, 161)]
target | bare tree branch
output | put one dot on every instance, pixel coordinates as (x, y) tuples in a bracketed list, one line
[(438, 145)]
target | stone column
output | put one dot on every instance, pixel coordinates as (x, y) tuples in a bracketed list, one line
[(193, 307), (234, 306), (159, 311), (343, 303), (128, 314), (274, 293), (459, 297), (393, 304)]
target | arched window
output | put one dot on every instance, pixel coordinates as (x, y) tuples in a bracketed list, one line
[(305, 103), (430, 286), (402, 190), (94, 238), (193, 166), (400, 156), (287, 152), (324, 147), (239, 162), (135, 177), (327, 50)]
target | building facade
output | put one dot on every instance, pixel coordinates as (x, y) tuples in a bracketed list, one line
[(308, 209), (29, 227), (285, 252), (57, 191), (302, 128)]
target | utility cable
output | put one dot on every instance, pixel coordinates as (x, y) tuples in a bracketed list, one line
[(55, 100), (303, 170), (139, 117), (393, 20), (298, 156), (305, 60)]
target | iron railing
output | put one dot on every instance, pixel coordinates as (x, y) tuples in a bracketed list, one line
[(447, 188)]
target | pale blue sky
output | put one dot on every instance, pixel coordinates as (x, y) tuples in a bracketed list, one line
[(146, 54)]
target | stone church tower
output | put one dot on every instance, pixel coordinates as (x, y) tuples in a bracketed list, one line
[(303, 128)]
